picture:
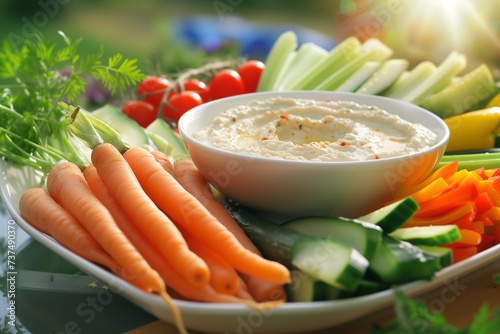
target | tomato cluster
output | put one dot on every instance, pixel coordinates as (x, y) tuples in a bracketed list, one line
[(189, 93)]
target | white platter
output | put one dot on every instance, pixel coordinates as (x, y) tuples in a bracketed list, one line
[(228, 318)]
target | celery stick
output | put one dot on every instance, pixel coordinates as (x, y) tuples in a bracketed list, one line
[(277, 61), (384, 77), (336, 58), (358, 78), (371, 50), (471, 161), (439, 79), (463, 94), (307, 55), (409, 80)]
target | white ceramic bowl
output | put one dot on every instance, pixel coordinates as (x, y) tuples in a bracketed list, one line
[(298, 188)]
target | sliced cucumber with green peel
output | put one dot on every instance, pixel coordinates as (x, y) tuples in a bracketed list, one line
[(329, 261), (384, 77), (133, 133), (444, 254), (435, 235), (397, 262), (465, 93), (304, 288), (161, 129), (362, 236), (322, 258), (392, 216)]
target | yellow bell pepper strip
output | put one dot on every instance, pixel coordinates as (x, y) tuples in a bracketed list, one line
[(479, 129), (494, 102)]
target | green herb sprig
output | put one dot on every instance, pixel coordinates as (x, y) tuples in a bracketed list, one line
[(38, 75)]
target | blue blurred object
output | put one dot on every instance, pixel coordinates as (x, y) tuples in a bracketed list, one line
[(254, 39)]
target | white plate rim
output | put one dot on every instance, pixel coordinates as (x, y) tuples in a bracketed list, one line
[(227, 318)]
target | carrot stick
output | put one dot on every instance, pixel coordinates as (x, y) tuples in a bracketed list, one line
[(173, 279), (223, 277), (47, 216), (116, 174), (187, 211), (189, 177)]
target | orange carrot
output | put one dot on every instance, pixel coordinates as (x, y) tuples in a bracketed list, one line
[(164, 161), (173, 279), (67, 185), (46, 215), (223, 277), (116, 174), (191, 179), (184, 209)]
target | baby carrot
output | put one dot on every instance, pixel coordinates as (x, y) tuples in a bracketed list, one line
[(47, 216), (67, 185), (173, 279), (163, 160), (223, 277), (188, 176), (184, 209), (116, 174)]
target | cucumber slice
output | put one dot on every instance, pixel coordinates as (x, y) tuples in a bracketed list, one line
[(133, 133), (329, 261), (304, 288), (277, 61), (358, 78), (161, 129), (464, 94), (438, 80), (161, 144), (397, 262), (444, 254), (408, 80), (384, 77), (436, 235), (338, 56), (362, 236), (392, 216)]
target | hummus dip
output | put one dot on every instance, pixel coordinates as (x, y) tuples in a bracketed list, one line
[(311, 130)]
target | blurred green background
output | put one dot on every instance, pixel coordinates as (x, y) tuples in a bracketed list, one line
[(416, 30)]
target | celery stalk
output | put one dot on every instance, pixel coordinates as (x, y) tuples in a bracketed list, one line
[(359, 77), (472, 161), (277, 61), (384, 77), (464, 94), (306, 56), (336, 58), (371, 50), (439, 79), (409, 80)]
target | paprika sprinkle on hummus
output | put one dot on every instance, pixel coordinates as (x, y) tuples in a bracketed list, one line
[(304, 129)]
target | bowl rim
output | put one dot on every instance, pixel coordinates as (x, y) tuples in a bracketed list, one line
[(443, 134)]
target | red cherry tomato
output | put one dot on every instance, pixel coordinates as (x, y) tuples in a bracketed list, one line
[(250, 73), (151, 90), (140, 111), (180, 103), (226, 82), (199, 87)]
